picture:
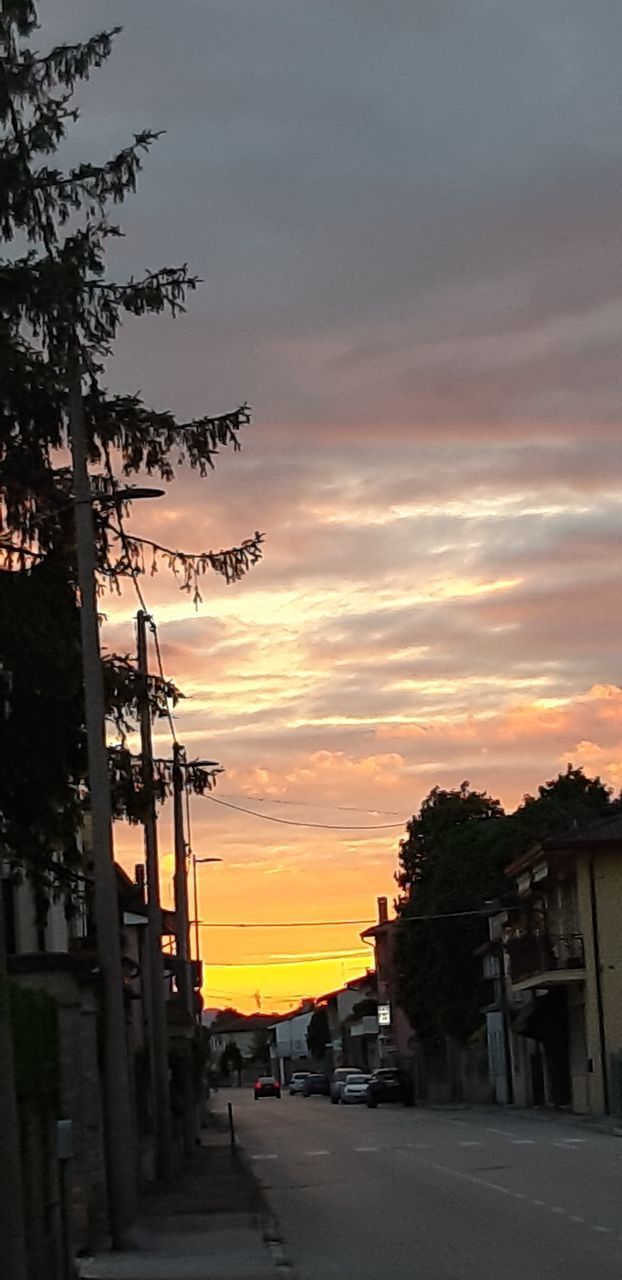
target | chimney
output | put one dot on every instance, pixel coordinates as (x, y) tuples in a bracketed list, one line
[(383, 914)]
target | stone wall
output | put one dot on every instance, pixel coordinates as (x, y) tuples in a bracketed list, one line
[(79, 1098)]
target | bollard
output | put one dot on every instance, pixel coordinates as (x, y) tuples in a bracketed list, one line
[(231, 1126)]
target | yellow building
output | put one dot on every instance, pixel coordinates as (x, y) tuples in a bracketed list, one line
[(563, 947)]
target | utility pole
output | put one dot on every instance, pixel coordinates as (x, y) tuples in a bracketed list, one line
[(181, 883), (186, 989), (118, 1118), (157, 1021)]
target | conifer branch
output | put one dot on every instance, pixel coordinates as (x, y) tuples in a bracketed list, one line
[(143, 555)]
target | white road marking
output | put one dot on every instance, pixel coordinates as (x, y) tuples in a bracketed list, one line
[(565, 1145), (503, 1133), (604, 1230), (540, 1203), (576, 1217), (470, 1144), (468, 1177), (570, 1140), (264, 1157), (317, 1153), (366, 1148), (557, 1209), (523, 1142)]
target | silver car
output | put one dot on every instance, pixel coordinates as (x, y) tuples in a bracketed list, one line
[(297, 1082), (354, 1088), (338, 1080)]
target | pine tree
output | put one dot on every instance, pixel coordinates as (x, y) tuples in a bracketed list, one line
[(60, 313)]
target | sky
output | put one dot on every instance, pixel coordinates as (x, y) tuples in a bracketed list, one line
[(406, 220)]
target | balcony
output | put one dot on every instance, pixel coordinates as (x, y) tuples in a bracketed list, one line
[(532, 955)]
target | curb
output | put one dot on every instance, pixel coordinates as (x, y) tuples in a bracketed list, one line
[(267, 1220)]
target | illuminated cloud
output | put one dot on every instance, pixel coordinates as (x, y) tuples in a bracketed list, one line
[(407, 220)]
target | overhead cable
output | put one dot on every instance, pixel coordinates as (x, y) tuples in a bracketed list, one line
[(289, 822)]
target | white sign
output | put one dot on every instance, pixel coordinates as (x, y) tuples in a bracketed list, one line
[(384, 1015)]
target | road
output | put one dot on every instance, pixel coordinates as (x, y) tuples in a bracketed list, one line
[(435, 1194)]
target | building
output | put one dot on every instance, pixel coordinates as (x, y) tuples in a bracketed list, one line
[(289, 1050), (239, 1030), (395, 1034), (560, 949), (340, 1006)]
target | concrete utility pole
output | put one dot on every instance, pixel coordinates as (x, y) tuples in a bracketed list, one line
[(181, 883), (157, 1022), (118, 1118)]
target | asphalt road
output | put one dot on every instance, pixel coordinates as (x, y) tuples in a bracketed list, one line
[(434, 1194)]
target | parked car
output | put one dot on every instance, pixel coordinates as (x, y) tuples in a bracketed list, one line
[(339, 1078), (315, 1083), (296, 1084), (389, 1084), (354, 1088), (267, 1087)]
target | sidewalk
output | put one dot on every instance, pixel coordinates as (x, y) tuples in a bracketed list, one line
[(600, 1123), (212, 1224)]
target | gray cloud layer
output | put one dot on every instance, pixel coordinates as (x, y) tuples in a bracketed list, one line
[(407, 218)]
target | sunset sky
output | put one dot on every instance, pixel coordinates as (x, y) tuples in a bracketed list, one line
[(407, 219)]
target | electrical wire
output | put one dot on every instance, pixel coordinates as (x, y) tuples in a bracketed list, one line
[(279, 924), (169, 714), (320, 924), (289, 822), (307, 804), (261, 964)]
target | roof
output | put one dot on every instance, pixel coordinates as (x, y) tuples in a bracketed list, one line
[(353, 985), (607, 833), (254, 1022), (381, 927), (130, 894), (607, 830)]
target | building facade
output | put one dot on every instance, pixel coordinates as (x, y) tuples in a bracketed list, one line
[(558, 958)]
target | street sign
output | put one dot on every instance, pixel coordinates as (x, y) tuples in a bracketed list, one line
[(384, 1015)]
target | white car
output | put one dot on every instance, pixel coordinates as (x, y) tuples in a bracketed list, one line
[(354, 1088), (297, 1082)]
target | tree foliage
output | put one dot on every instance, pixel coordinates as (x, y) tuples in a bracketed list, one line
[(231, 1060), (60, 313), (452, 860), (318, 1034), (59, 305)]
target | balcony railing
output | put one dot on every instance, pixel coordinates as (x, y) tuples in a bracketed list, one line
[(531, 954)]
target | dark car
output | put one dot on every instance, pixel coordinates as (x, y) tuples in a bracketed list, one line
[(267, 1087), (316, 1083), (390, 1085)]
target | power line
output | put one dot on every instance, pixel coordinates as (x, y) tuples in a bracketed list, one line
[(289, 822), (169, 716), (307, 804), (278, 924), (133, 574), (261, 964), (249, 995), (320, 924)]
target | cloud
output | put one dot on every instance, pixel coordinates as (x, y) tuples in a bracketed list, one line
[(406, 218)]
